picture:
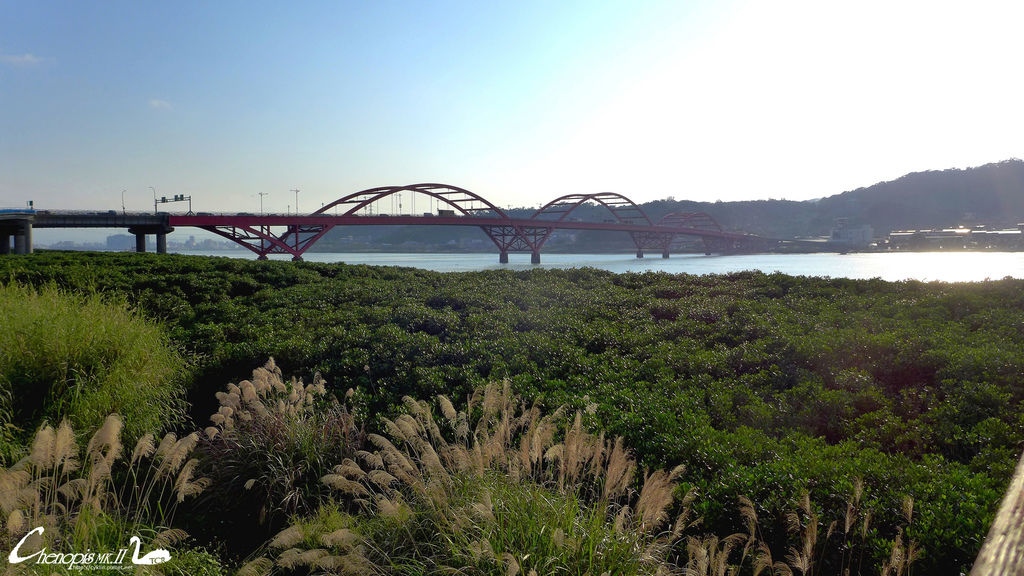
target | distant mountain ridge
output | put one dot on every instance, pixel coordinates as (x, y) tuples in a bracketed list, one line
[(989, 194), (992, 194)]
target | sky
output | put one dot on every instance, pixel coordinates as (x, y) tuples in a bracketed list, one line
[(520, 102)]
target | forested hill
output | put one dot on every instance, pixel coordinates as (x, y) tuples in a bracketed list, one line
[(989, 194), (992, 194)]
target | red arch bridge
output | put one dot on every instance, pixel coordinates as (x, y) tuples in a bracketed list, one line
[(295, 234)]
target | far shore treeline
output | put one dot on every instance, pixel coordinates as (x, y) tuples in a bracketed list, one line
[(764, 386)]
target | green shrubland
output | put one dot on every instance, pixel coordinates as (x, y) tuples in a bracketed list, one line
[(766, 387)]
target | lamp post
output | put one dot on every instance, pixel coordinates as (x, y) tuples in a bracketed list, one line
[(154, 199), (296, 200), (262, 194)]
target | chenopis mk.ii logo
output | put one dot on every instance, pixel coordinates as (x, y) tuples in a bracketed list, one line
[(88, 559)]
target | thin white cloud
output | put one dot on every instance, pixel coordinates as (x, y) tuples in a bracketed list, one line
[(21, 60), (158, 104)]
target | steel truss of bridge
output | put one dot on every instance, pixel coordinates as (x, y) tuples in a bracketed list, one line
[(263, 235)]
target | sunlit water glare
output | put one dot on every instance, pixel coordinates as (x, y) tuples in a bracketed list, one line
[(926, 266)]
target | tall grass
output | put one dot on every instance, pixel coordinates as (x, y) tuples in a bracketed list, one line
[(97, 496), (269, 444), (82, 357), (496, 488), (500, 488)]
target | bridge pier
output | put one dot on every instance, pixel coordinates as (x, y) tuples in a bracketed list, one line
[(503, 257), (18, 225), (161, 233), (664, 253), (639, 253), (26, 238), (534, 257)]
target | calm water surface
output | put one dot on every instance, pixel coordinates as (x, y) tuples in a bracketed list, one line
[(926, 266)]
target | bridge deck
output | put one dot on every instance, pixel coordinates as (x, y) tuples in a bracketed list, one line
[(408, 220)]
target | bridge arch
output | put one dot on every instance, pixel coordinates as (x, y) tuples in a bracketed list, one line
[(460, 199), (701, 221), (624, 209), (296, 240)]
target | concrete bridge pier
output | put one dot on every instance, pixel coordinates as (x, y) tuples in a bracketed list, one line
[(26, 238), (664, 253), (23, 243), (534, 257), (639, 253), (161, 233), (20, 227), (503, 257)]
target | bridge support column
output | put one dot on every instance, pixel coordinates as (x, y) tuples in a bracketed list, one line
[(503, 257), (159, 230), (664, 253), (639, 253), (21, 230), (23, 238), (27, 236), (534, 257)]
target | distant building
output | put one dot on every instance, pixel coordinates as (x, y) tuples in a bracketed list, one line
[(120, 242), (851, 236), (958, 239)]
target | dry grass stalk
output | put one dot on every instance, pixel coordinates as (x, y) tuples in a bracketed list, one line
[(53, 487), (707, 556), (656, 497), (619, 473), (414, 460)]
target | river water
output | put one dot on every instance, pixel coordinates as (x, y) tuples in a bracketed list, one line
[(926, 266)]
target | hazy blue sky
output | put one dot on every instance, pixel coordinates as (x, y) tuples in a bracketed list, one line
[(520, 101)]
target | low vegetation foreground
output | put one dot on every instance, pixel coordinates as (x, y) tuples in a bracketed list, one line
[(502, 422)]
